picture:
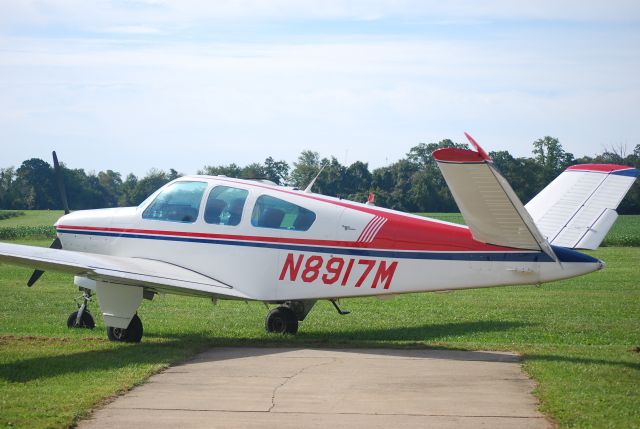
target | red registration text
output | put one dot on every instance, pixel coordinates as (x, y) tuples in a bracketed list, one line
[(336, 270)]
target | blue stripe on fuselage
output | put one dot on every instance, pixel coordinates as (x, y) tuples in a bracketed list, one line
[(565, 255), (570, 255)]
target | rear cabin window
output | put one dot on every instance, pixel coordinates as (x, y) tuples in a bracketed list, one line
[(224, 205), (179, 202), (271, 212)]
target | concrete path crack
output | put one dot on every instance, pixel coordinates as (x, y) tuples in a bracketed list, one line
[(288, 379)]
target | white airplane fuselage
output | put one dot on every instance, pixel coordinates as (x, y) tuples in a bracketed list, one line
[(349, 250)]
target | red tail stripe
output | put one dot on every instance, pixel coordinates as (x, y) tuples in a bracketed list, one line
[(366, 228), (373, 230), (377, 229)]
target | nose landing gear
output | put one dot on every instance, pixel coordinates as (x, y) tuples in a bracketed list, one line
[(82, 318)]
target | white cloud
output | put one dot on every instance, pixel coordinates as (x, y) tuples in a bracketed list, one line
[(140, 98), (133, 29), (182, 14)]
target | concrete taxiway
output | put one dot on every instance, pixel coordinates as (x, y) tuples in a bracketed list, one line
[(320, 388)]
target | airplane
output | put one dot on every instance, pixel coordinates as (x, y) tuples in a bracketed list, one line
[(226, 238)]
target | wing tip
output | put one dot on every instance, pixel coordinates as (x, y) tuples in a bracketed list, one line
[(457, 155)]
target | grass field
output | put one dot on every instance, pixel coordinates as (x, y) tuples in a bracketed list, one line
[(30, 224), (579, 340), (33, 218)]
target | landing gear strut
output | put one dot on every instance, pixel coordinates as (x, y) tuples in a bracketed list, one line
[(132, 334), (82, 318)]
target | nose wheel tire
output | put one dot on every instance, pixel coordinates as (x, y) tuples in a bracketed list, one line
[(132, 334), (282, 320), (86, 320)]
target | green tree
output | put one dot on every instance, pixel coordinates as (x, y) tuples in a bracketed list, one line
[(631, 203), (276, 171), (231, 170), (83, 190), (36, 185), (428, 190), (410, 184), (110, 187), (421, 154), (551, 158), (127, 191), (7, 188), (173, 174), (332, 179), (305, 169), (391, 185), (146, 186), (255, 170), (521, 173), (357, 181)]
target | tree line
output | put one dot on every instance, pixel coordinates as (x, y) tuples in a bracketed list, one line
[(412, 184)]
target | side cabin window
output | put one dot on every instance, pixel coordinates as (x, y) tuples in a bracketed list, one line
[(271, 212), (224, 205), (179, 202)]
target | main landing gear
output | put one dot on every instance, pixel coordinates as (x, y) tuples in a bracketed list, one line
[(132, 334), (284, 319), (82, 318)]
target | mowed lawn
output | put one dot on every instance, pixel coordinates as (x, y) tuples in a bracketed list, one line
[(579, 340), (32, 218)]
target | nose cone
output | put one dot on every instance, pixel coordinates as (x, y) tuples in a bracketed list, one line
[(69, 219), (61, 220)]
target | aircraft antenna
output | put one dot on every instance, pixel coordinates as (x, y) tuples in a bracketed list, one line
[(310, 185)]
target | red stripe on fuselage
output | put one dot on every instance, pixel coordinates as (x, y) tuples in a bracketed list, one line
[(170, 233), (452, 240)]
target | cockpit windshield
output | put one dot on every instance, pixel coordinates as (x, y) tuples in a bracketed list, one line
[(178, 202)]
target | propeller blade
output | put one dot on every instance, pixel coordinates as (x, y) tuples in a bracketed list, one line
[(34, 277), (60, 180), (57, 244), (63, 196), (38, 273)]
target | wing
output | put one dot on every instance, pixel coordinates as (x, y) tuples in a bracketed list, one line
[(158, 275), (489, 206), (577, 209)]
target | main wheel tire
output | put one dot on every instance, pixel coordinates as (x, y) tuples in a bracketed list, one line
[(86, 320), (132, 334), (281, 320)]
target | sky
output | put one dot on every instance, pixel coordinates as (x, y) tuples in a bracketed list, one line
[(131, 85)]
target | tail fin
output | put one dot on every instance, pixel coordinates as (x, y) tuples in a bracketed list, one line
[(578, 208), (490, 208)]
